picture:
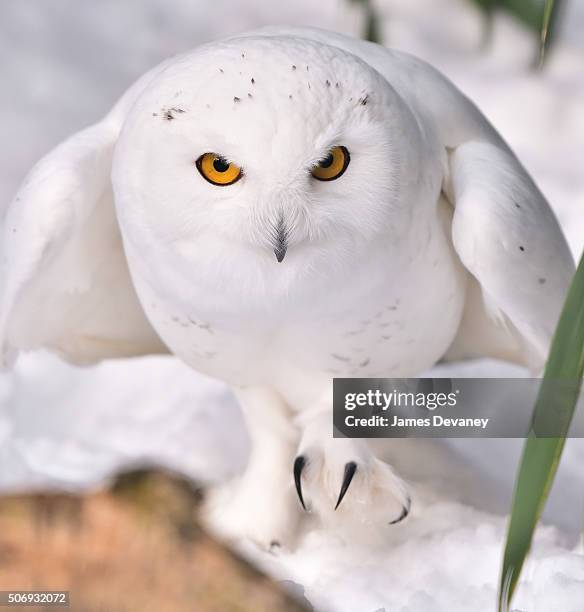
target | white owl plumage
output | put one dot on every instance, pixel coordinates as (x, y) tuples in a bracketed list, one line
[(433, 243)]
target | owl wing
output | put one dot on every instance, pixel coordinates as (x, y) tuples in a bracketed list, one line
[(508, 238), (503, 230), (64, 279)]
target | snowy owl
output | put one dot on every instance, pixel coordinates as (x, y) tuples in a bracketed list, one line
[(277, 209)]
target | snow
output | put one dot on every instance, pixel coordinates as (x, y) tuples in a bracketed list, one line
[(63, 63)]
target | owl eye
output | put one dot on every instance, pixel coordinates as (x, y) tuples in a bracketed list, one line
[(333, 165), (217, 170)]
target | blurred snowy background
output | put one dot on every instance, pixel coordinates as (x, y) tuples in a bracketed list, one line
[(63, 63)]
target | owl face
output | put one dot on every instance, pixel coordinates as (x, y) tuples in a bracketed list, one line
[(279, 151)]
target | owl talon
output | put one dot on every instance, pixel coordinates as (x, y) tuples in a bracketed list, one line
[(405, 511), (350, 469), (299, 464)]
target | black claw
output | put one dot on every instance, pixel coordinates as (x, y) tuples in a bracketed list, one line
[(299, 464), (405, 511), (350, 469)]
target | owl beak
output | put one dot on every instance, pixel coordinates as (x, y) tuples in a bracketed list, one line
[(281, 241), (280, 251)]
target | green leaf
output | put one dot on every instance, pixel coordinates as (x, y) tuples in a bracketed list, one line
[(371, 32), (529, 12), (540, 16), (555, 405)]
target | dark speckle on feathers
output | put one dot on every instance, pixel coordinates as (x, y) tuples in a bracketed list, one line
[(293, 67), (236, 99), (354, 332), (340, 357), (204, 326), (168, 114)]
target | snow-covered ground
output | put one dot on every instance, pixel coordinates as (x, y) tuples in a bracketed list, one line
[(62, 64)]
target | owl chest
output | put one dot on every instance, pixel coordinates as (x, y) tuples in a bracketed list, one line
[(394, 330), (392, 334)]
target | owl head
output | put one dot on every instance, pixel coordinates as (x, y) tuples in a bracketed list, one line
[(271, 150)]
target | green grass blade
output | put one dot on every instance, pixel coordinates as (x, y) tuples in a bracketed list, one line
[(550, 12), (555, 404)]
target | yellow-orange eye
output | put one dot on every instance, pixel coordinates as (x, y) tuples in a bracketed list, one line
[(333, 165), (217, 170)]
